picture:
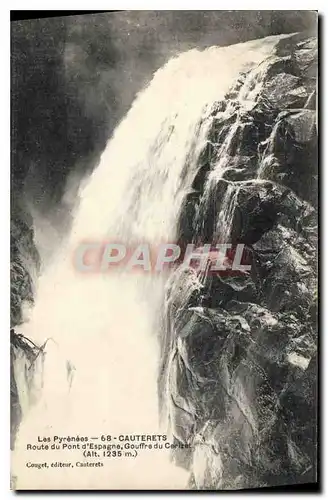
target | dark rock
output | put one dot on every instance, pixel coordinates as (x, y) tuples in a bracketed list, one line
[(311, 103), (281, 65), (306, 57), (24, 266), (239, 352), (302, 125)]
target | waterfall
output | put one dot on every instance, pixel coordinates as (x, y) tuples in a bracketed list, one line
[(107, 325)]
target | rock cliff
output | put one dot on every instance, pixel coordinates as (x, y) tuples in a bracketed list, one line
[(239, 352)]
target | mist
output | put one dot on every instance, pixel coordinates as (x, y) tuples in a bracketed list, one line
[(75, 77)]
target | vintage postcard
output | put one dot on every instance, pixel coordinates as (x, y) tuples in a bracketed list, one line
[(164, 212)]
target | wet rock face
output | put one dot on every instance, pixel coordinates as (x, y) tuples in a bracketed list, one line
[(24, 265), (239, 352)]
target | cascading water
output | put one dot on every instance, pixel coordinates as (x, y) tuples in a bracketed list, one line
[(106, 324)]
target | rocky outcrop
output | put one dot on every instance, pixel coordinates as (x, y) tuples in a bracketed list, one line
[(239, 352), (24, 265)]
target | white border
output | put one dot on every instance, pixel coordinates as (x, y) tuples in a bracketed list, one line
[(4, 182)]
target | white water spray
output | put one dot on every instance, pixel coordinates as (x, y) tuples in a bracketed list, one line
[(106, 325)]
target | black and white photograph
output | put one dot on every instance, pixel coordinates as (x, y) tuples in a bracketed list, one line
[(164, 199)]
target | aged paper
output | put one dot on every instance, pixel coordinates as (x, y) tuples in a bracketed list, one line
[(164, 250)]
